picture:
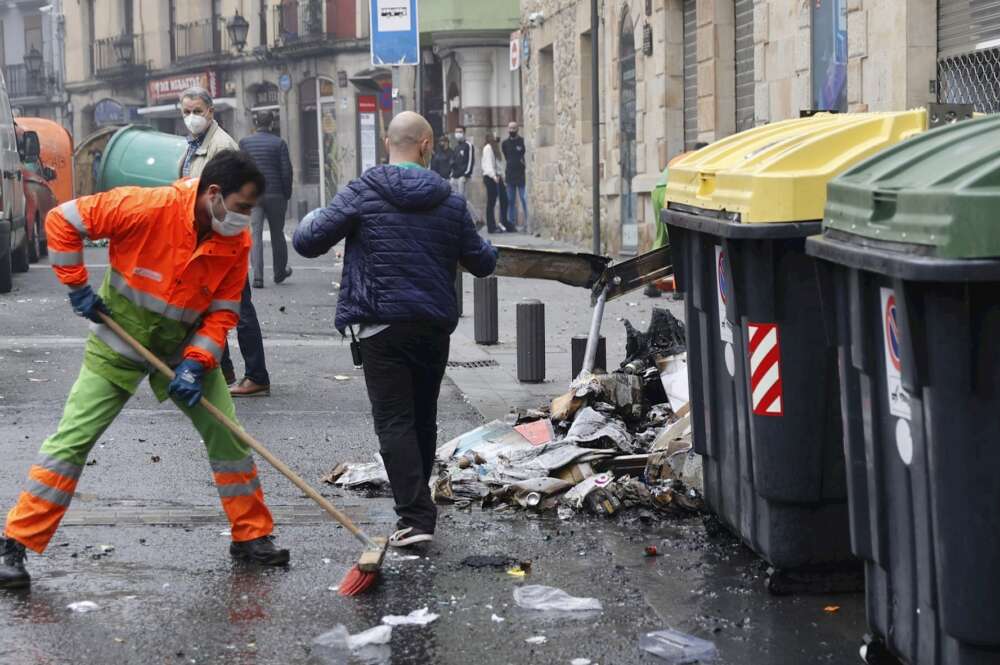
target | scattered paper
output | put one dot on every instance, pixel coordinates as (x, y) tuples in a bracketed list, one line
[(377, 635), (497, 619), (537, 639), (420, 617), (83, 606), (538, 597), (341, 377)]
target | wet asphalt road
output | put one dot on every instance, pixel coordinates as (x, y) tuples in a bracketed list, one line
[(168, 592)]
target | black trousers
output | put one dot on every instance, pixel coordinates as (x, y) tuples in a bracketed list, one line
[(404, 366), (491, 204), (251, 342)]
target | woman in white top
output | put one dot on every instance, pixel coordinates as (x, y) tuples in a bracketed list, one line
[(493, 181)]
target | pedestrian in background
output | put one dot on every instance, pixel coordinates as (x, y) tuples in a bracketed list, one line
[(406, 233), (206, 139), (271, 154), (462, 162), (514, 156), (493, 182), (442, 161)]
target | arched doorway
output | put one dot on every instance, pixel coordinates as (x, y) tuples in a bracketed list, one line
[(627, 132)]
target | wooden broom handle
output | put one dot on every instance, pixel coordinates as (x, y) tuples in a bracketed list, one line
[(240, 434)]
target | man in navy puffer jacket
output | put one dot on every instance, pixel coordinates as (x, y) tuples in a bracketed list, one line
[(406, 235)]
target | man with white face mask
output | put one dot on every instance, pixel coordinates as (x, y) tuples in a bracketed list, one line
[(178, 259), (206, 138)]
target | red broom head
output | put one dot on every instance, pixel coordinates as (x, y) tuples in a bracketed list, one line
[(356, 582)]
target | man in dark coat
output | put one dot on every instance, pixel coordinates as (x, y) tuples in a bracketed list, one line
[(406, 233), (463, 161), (514, 156)]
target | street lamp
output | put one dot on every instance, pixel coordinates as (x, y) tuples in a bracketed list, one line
[(238, 27), (33, 63), (124, 48)]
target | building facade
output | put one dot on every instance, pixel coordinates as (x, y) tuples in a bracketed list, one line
[(306, 61), (678, 72), (32, 33)]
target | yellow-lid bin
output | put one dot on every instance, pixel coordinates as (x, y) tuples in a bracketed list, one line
[(779, 172)]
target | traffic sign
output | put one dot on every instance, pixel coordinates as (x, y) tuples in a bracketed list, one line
[(395, 32)]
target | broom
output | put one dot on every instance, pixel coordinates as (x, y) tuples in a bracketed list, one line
[(359, 578)]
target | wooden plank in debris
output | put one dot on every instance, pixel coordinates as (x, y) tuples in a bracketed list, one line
[(674, 431), (572, 268)]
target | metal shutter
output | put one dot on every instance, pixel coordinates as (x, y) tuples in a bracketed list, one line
[(744, 64), (954, 28), (986, 21), (690, 73)]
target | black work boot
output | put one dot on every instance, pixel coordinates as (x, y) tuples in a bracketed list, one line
[(261, 550), (12, 572)]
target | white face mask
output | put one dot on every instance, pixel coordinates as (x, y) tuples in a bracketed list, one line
[(196, 124), (232, 224), (459, 136)]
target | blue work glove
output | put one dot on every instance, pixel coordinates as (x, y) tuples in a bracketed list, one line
[(186, 385), (87, 304)]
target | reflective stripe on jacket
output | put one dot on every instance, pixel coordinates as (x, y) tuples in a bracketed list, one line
[(172, 294)]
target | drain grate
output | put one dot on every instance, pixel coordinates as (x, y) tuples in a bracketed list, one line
[(472, 364)]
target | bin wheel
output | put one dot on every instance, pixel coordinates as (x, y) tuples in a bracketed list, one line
[(874, 652)]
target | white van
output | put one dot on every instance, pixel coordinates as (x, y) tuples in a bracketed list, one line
[(13, 234)]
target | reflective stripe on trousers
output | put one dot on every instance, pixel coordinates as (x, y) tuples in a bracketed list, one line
[(92, 405)]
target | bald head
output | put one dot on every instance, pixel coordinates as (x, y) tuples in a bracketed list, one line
[(409, 139)]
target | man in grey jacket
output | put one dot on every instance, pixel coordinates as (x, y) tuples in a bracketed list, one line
[(207, 139), (270, 153)]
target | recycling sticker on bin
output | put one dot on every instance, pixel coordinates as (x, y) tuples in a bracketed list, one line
[(899, 399), (725, 329)]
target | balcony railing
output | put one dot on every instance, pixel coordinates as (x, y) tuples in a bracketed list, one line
[(21, 84), (309, 21), (119, 57), (199, 38)]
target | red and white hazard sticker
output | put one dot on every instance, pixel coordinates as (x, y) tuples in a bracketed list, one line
[(765, 369)]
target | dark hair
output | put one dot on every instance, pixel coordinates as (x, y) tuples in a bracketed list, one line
[(462, 127), (230, 170), (264, 120)]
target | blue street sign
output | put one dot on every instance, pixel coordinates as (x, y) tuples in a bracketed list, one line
[(395, 32)]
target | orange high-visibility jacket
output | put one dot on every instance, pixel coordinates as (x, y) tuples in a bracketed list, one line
[(162, 285)]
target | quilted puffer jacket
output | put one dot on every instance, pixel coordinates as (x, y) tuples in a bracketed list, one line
[(406, 234)]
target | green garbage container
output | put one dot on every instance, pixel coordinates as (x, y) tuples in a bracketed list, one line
[(911, 248), (140, 155)]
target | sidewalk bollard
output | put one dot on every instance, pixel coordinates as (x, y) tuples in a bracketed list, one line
[(531, 341), (484, 306), (578, 349), (459, 296)]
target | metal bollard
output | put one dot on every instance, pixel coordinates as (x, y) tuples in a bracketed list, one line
[(485, 308), (578, 349), (459, 296), (531, 341)]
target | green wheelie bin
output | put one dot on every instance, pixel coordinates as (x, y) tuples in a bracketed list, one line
[(911, 247)]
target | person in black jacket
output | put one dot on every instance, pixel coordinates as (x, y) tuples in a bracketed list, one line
[(514, 156), (463, 161), (270, 153), (442, 161)]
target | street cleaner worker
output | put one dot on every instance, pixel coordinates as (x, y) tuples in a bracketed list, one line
[(406, 233), (178, 262)]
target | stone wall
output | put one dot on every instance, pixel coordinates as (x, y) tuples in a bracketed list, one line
[(891, 58)]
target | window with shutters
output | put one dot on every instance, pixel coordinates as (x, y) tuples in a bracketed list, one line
[(744, 64), (969, 53), (690, 74)]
